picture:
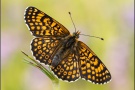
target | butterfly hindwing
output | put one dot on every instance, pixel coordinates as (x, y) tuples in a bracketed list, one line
[(44, 49), (42, 25), (68, 68), (90, 66)]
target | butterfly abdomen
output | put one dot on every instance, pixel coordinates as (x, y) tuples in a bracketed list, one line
[(64, 51)]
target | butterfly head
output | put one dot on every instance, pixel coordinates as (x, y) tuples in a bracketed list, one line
[(76, 34)]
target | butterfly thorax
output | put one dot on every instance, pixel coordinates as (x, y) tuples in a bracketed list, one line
[(68, 44)]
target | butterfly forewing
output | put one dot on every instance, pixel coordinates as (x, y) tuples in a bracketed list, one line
[(90, 66), (42, 25)]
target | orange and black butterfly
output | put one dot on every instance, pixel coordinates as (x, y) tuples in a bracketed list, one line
[(69, 58)]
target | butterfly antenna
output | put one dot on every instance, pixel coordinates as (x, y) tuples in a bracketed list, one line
[(83, 34), (92, 36), (72, 20)]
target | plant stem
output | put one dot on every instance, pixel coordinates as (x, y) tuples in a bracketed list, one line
[(36, 64), (55, 85)]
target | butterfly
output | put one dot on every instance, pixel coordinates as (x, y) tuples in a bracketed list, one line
[(68, 58)]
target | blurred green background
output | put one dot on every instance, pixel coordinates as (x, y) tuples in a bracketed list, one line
[(111, 19)]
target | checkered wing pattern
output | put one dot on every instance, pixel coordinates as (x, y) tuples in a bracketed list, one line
[(42, 25), (68, 69), (90, 66), (44, 49), (48, 33)]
